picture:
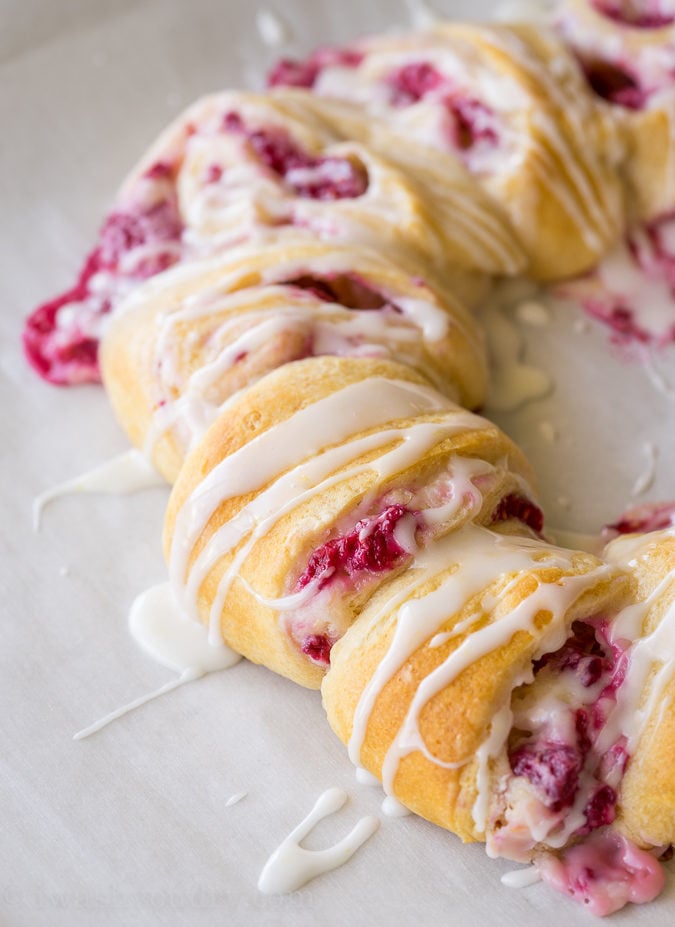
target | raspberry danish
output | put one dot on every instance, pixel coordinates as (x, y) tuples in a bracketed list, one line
[(236, 166), (647, 701), (315, 486), (490, 687), (627, 50), (176, 351), (512, 105)]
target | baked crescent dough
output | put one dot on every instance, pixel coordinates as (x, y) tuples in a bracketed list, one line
[(246, 163), (318, 484), (647, 801), (185, 342), (425, 686), (626, 50), (240, 166), (512, 104)]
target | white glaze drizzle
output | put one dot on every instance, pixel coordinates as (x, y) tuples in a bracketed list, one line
[(514, 383), (289, 491), (291, 865), (127, 473), (246, 199), (235, 799), (392, 808), (187, 676), (582, 191), (656, 377), (247, 316), (160, 628), (629, 275), (363, 777), (272, 29), (163, 632), (461, 477), (290, 445), (481, 556), (331, 328), (651, 655), (521, 878)]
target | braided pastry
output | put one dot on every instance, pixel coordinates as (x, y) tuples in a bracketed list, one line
[(497, 98), (335, 515), (187, 341), (627, 50), (432, 685), (647, 810), (317, 484), (237, 166)]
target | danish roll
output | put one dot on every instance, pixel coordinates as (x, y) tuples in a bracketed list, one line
[(627, 51), (182, 345), (646, 701), (239, 166), (512, 105), (431, 687), (285, 161), (521, 694), (140, 237), (318, 484)]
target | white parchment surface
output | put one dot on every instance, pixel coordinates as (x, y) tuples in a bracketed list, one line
[(132, 825)]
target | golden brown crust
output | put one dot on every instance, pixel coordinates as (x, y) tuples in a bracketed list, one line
[(566, 200), (646, 131), (456, 721), (156, 342), (555, 176), (646, 811), (278, 557)]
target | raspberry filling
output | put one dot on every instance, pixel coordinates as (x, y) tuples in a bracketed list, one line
[(289, 72), (471, 121), (604, 873), (638, 14), (632, 290), (61, 336), (318, 647), (375, 545), (521, 508), (370, 547), (308, 177), (413, 82), (614, 83), (346, 290), (652, 516), (561, 784)]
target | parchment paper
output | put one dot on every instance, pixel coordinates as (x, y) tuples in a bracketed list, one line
[(131, 826)]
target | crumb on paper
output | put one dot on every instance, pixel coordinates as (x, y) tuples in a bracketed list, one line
[(272, 30), (548, 431), (533, 313)]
